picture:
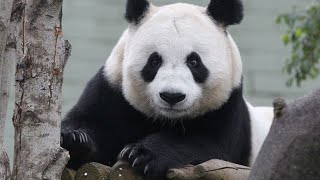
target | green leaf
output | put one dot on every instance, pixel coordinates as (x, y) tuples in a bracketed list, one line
[(303, 36), (278, 20), (285, 39), (298, 33), (289, 82)]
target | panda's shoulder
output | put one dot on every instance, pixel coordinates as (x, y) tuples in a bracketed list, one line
[(261, 119), (100, 94), (262, 114), (99, 85)]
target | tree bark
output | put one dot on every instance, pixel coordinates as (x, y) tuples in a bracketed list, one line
[(6, 69), (41, 53), (292, 147)]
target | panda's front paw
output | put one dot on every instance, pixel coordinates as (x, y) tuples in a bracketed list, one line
[(76, 139), (147, 161)]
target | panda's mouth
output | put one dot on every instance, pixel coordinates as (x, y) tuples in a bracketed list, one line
[(173, 110)]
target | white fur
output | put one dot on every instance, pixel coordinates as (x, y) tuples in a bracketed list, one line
[(174, 31), (113, 66), (261, 120)]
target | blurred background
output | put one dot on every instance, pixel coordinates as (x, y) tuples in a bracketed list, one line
[(94, 26)]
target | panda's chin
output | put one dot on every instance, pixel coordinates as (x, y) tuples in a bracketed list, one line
[(173, 113)]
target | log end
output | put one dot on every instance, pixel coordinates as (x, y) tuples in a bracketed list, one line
[(93, 170), (68, 174), (123, 171)]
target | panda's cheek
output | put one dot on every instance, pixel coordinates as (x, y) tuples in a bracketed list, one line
[(195, 99), (152, 91)]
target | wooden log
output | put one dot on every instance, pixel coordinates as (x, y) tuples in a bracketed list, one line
[(185, 173), (93, 171), (68, 174), (213, 169), (218, 169), (123, 171)]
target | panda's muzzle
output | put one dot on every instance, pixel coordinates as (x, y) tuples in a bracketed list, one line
[(172, 98)]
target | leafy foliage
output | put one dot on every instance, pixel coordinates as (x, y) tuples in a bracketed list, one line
[(303, 35)]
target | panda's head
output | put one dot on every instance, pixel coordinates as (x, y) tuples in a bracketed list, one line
[(177, 61)]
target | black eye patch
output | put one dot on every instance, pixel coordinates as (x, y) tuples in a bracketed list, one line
[(150, 70), (199, 71)]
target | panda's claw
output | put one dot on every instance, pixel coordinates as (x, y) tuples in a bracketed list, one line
[(146, 169), (85, 136), (73, 137), (125, 151), (146, 160), (82, 138), (136, 162), (132, 153), (79, 138), (78, 135), (121, 154)]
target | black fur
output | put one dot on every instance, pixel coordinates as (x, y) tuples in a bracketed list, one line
[(199, 71), (226, 12), (136, 9), (150, 70), (111, 124)]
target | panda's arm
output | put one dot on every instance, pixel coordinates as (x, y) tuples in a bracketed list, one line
[(78, 129), (164, 150)]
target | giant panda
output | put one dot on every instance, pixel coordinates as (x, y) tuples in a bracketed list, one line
[(170, 94)]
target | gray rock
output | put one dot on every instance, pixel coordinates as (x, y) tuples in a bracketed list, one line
[(292, 148)]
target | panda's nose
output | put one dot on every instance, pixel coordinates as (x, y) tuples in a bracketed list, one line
[(172, 98)]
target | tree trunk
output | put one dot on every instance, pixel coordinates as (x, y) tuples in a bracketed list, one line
[(292, 147), (36, 42), (6, 69)]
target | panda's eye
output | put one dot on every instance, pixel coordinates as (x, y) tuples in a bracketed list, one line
[(193, 63), (150, 70), (193, 60), (198, 69), (155, 60), (155, 63)]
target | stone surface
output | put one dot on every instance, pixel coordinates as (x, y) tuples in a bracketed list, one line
[(292, 148)]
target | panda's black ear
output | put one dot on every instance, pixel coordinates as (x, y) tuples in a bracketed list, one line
[(226, 12), (136, 9)]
